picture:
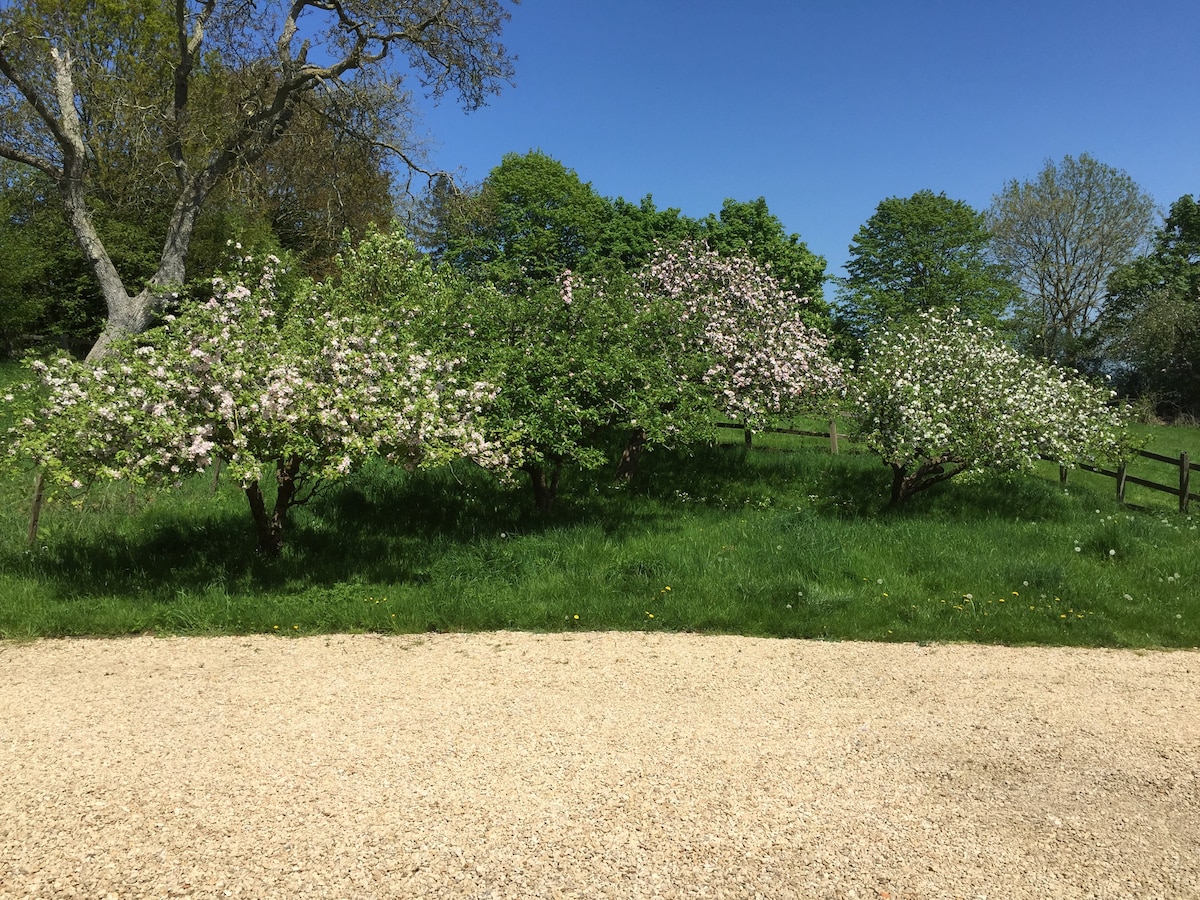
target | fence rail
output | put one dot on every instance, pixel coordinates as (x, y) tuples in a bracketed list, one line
[(1182, 464), (832, 435), (1182, 490)]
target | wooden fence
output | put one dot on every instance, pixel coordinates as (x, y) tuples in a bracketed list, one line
[(831, 435), (1183, 465)]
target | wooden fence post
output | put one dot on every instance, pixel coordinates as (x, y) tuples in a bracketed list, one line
[(749, 435), (216, 479), (35, 514), (1062, 474), (1185, 473), (833, 437), (1121, 483)]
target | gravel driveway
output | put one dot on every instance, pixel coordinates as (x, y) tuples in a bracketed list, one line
[(595, 765)]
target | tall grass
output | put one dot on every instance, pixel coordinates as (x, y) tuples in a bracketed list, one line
[(785, 540)]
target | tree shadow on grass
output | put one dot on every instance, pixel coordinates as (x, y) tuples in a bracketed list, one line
[(387, 526), (383, 525), (1004, 496)]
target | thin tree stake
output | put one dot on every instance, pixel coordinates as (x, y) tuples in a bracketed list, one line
[(35, 514)]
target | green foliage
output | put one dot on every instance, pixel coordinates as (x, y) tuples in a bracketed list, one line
[(1150, 327), (749, 229), (634, 232), (572, 360), (919, 254), (46, 287), (531, 220)]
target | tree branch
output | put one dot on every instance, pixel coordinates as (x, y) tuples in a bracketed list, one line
[(41, 163), (32, 97)]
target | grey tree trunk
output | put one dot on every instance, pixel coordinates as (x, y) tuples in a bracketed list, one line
[(133, 314)]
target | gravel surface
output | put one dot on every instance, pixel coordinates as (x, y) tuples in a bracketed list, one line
[(595, 765)]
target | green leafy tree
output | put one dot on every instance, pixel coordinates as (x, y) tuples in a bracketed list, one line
[(1150, 327), (634, 232), (751, 230), (317, 191), (28, 224), (919, 254), (1063, 234), (46, 287), (531, 220), (569, 358), (177, 95)]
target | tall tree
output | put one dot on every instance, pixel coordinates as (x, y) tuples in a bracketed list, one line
[(750, 229), (531, 220), (46, 288), (919, 254), (318, 191), (1150, 327), (635, 231), (182, 93), (1063, 234), (311, 191)]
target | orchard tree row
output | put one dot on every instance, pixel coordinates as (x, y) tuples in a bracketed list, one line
[(540, 320), (293, 382)]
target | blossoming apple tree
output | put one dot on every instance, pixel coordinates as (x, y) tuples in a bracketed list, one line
[(941, 396), (579, 362), (278, 387), (564, 356), (736, 335)]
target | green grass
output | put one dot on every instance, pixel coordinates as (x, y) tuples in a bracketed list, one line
[(790, 544)]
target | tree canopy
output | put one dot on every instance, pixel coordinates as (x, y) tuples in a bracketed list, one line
[(531, 220), (750, 229), (176, 95), (1063, 234), (264, 376), (939, 395), (1150, 327), (919, 254)]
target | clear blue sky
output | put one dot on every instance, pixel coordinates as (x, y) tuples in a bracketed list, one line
[(825, 108)]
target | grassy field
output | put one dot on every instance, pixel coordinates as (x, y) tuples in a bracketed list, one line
[(784, 540)]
